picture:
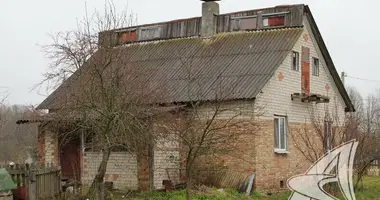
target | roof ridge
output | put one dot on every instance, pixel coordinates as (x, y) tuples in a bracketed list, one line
[(257, 31)]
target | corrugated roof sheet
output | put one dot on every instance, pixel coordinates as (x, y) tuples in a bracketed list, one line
[(226, 66)]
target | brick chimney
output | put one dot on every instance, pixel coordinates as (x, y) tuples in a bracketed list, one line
[(210, 11)]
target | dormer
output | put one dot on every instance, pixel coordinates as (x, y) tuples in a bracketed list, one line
[(211, 22)]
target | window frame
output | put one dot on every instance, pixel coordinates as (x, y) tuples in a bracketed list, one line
[(277, 146), (237, 26), (315, 68), (297, 67), (273, 16)]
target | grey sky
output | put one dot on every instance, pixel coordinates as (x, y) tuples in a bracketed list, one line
[(349, 28)]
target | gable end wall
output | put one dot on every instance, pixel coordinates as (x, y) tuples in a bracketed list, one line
[(276, 95)]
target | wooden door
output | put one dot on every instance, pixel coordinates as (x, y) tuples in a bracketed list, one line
[(70, 159)]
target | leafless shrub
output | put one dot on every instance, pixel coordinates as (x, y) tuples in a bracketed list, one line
[(212, 132), (328, 131)]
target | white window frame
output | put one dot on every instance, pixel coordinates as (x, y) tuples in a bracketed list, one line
[(297, 67), (277, 147), (315, 68)]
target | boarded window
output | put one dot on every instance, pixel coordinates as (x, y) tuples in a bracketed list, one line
[(235, 24), (315, 68), (274, 21), (128, 36), (249, 23), (149, 33), (305, 54), (280, 133), (305, 70)]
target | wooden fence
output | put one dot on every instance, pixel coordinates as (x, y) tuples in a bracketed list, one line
[(374, 169), (35, 182)]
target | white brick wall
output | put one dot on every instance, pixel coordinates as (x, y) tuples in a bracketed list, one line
[(50, 146), (121, 169), (165, 162), (166, 159), (276, 94), (240, 109)]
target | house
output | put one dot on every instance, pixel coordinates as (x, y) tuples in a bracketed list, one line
[(275, 57)]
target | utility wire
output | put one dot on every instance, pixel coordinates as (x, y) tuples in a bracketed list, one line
[(363, 79)]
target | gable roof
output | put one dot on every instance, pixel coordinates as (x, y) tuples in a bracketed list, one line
[(240, 62), (244, 61)]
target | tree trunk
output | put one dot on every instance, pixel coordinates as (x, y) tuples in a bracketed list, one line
[(96, 185), (188, 184), (188, 189), (151, 162)]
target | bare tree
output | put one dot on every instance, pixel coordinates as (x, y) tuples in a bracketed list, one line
[(210, 127), (103, 97), (327, 131), (18, 142), (366, 132), (70, 50), (210, 132)]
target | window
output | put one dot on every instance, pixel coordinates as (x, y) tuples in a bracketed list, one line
[(280, 134), (328, 135), (128, 36), (315, 68), (149, 33), (295, 61), (246, 23), (274, 21)]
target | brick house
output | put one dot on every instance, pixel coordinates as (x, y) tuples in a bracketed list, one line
[(276, 58)]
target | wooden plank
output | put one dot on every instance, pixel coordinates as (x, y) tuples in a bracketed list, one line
[(31, 186), (41, 182), (305, 70), (18, 176)]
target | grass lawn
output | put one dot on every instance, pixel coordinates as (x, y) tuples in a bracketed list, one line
[(371, 191)]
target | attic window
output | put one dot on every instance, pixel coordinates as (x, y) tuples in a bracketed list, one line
[(148, 33), (315, 67), (274, 21), (127, 36), (244, 23), (295, 61)]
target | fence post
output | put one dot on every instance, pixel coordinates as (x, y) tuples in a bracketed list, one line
[(31, 185)]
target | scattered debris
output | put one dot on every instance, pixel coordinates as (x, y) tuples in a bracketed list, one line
[(180, 186), (168, 185), (246, 185), (220, 190)]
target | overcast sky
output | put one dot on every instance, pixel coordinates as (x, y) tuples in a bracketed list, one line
[(349, 27)]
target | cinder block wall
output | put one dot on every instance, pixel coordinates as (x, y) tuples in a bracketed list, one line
[(48, 147), (121, 169), (166, 163), (166, 155)]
